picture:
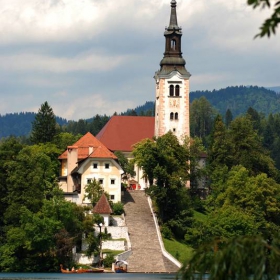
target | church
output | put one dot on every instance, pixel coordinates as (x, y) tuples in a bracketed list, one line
[(93, 157)]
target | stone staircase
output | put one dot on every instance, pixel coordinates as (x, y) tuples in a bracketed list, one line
[(146, 251)]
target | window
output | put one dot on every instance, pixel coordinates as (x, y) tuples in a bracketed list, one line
[(113, 181), (171, 116), (88, 181), (173, 45), (107, 165), (177, 90), (171, 90), (100, 181), (176, 116), (112, 197), (174, 129), (95, 166)]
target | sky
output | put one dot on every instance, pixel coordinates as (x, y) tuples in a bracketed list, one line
[(88, 57)]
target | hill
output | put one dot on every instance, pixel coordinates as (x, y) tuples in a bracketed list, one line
[(238, 99), (20, 124)]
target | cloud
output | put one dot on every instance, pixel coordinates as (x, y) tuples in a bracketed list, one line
[(89, 56), (37, 62)]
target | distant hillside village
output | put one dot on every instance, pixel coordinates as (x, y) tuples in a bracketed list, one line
[(205, 166)]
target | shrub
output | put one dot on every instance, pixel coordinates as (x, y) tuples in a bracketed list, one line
[(118, 208), (108, 260)]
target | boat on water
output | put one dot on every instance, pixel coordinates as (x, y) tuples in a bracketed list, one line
[(120, 266), (81, 270)]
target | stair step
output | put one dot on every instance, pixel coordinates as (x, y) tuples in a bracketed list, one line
[(146, 251)]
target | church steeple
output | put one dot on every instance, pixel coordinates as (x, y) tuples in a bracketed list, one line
[(172, 84), (173, 56), (173, 16)]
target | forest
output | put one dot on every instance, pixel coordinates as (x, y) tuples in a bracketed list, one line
[(236, 99), (38, 228)]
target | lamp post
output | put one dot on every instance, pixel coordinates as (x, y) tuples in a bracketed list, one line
[(100, 245)]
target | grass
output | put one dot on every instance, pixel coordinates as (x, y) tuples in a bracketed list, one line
[(179, 251), (199, 216)]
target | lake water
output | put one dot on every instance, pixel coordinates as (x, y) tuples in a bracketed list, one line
[(86, 276)]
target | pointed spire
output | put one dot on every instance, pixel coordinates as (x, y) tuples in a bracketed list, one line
[(173, 16), (173, 60)]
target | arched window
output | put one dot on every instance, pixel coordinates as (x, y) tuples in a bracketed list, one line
[(171, 90), (173, 45), (176, 116), (171, 116), (177, 90)]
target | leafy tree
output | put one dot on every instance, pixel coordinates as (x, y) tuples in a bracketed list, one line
[(247, 148), (197, 172), (269, 26), (31, 178), (9, 149), (44, 125), (93, 191), (165, 162), (219, 150), (243, 257), (42, 240), (145, 155), (223, 223), (64, 139), (127, 165), (202, 116)]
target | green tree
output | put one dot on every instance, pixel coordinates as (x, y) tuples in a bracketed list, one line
[(64, 139), (247, 148), (201, 117), (145, 156), (127, 165), (9, 149), (93, 191), (42, 240), (44, 125), (31, 178), (228, 117), (243, 257), (165, 162)]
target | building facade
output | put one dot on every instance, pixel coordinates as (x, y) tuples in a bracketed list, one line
[(84, 161)]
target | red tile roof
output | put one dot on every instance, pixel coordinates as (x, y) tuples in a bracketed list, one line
[(102, 206), (84, 144), (122, 132)]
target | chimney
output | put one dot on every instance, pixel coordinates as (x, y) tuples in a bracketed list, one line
[(90, 149), (72, 159)]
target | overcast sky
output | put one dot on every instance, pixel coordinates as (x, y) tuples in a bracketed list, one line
[(88, 57)]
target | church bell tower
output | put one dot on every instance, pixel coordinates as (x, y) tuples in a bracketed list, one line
[(172, 85)]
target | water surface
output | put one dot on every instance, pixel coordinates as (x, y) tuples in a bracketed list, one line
[(87, 276)]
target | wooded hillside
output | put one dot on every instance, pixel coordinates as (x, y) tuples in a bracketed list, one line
[(238, 99)]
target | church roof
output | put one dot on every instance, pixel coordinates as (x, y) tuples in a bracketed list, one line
[(102, 206), (122, 132), (99, 150)]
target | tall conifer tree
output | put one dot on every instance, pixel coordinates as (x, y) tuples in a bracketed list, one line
[(44, 125)]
